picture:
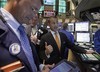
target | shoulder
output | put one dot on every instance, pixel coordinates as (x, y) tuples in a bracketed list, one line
[(62, 34), (97, 32), (46, 35)]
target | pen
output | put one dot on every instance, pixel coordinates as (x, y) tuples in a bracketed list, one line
[(44, 65), (44, 62)]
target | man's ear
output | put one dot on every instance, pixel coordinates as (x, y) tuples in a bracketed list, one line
[(16, 2)]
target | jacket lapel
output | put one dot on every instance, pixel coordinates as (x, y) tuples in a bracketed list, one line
[(21, 55), (53, 41)]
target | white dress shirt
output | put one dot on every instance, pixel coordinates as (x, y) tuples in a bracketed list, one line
[(53, 33)]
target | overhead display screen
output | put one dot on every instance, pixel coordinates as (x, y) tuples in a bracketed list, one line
[(49, 2)]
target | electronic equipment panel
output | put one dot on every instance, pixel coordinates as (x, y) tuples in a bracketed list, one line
[(83, 37), (49, 2), (82, 26), (90, 58)]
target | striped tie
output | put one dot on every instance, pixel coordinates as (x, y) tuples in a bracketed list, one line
[(26, 48)]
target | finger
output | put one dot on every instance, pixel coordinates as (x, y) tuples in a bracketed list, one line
[(46, 70), (53, 65), (46, 47), (50, 66), (45, 43), (51, 47)]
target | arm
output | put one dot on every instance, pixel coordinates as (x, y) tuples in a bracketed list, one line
[(45, 49), (72, 38), (42, 49), (76, 48)]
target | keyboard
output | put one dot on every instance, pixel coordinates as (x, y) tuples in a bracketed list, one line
[(90, 58)]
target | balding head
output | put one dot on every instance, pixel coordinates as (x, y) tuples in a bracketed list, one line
[(65, 26), (24, 10)]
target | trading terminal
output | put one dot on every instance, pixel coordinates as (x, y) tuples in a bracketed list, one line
[(83, 19)]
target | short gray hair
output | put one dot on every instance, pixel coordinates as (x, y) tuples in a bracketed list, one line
[(65, 26)]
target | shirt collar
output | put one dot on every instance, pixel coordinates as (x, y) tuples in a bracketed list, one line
[(10, 19), (53, 32)]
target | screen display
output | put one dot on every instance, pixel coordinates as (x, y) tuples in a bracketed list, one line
[(62, 3), (63, 67), (62, 9), (49, 2), (71, 27), (82, 26), (83, 37), (48, 13)]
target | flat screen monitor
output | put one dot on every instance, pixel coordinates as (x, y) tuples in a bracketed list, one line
[(83, 37), (71, 27), (82, 26), (49, 2), (64, 66)]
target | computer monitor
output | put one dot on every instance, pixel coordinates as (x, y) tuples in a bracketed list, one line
[(83, 37), (71, 27), (82, 26), (49, 2)]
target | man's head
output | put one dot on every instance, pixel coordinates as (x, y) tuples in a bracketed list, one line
[(65, 26), (24, 11), (53, 24)]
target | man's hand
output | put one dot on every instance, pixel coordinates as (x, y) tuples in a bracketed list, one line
[(34, 39), (48, 48), (89, 51), (47, 68)]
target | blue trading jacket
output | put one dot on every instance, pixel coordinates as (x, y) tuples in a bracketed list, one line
[(70, 37), (68, 34), (7, 39), (97, 41)]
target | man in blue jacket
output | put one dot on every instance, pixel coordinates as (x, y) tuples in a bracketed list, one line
[(69, 36), (14, 43), (97, 41)]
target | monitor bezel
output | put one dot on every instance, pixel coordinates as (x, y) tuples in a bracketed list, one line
[(81, 27)]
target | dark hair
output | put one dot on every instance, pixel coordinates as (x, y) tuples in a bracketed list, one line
[(65, 25)]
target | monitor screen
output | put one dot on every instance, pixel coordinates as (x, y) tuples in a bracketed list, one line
[(83, 37), (82, 26), (71, 27), (49, 2), (63, 67), (62, 9)]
